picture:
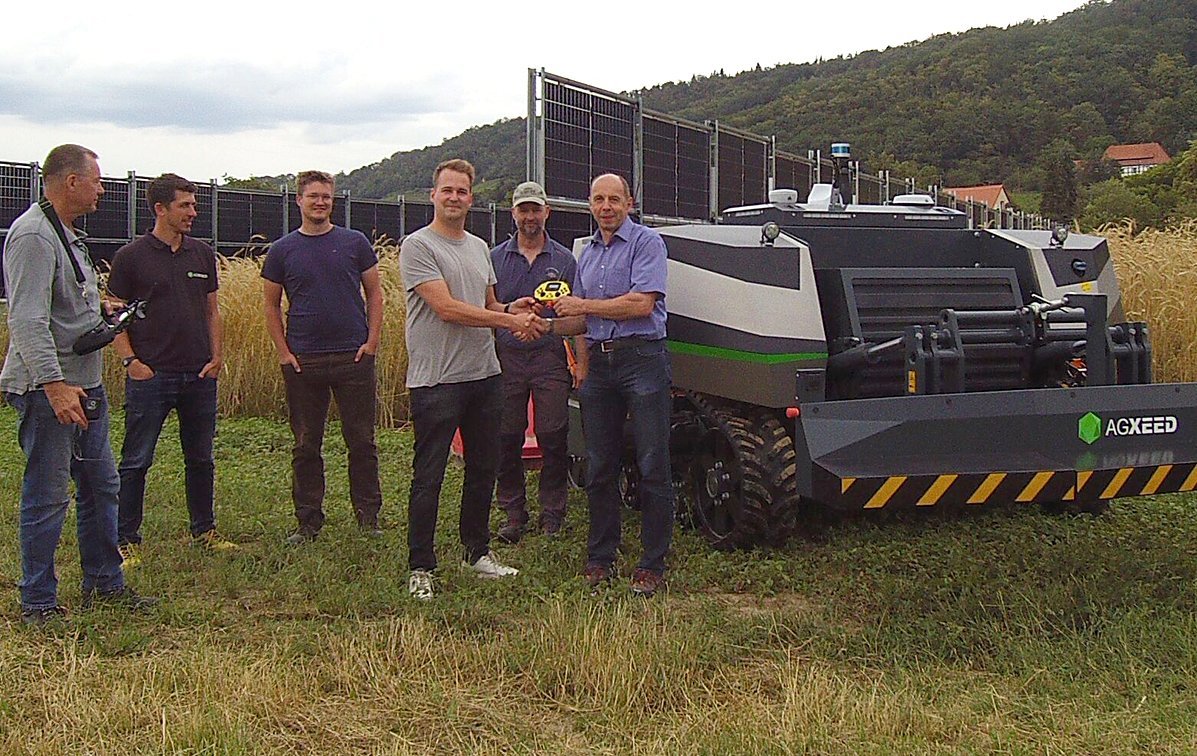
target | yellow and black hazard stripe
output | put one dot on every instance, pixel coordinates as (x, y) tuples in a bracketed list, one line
[(1134, 481), (1020, 486)]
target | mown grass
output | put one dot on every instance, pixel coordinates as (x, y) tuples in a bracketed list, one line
[(1003, 630)]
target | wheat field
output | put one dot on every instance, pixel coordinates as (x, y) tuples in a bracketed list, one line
[(1157, 271), (1158, 274)]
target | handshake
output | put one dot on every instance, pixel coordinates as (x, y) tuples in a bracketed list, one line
[(524, 321)]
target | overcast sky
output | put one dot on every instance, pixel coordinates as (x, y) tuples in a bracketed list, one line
[(244, 88)]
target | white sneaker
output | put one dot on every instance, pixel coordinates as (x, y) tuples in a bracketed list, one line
[(489, 566), (419, 585)]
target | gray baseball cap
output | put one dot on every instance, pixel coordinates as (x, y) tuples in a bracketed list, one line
[(529, 191)]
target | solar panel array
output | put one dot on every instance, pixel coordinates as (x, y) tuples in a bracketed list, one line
[(586, 133), (673, 165), (233, 221), (677, 172)]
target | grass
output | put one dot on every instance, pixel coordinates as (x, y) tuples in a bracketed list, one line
[(1003, 630)]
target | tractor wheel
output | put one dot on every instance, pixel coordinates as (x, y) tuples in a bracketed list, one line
[(740, 481)]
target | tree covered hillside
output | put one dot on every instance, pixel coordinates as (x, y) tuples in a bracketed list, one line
[(496, 150), (980, 105), (960, 109)]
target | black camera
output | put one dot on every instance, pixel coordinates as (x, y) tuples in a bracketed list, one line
[(91, 408), (103, 334)]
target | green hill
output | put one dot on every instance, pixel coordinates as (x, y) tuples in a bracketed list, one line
[(968, 108), (496, 150)]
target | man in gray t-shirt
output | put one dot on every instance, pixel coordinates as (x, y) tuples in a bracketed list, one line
[(440, 351), (453, 373)]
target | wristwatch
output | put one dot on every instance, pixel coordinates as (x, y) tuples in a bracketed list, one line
[(127, 361)]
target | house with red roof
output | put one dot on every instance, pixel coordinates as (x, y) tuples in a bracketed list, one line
[(1137, 158), (992, 195)]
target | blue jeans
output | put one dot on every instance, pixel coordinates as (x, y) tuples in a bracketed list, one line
[(436, 413), (635, 379), (147, 403), (54, 455)]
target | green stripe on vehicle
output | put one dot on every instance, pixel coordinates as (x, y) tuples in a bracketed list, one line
[(680, 347)]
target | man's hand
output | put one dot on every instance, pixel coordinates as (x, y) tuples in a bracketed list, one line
[(212, 369), (578, 371), (139, 371), (569, 305), (365, 349), (286, 358), (528, 327), (65, 401), (523, 306)]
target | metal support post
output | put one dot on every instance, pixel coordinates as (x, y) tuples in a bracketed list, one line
[(714, 166), (638, 154), (215, 215), (131, 207)]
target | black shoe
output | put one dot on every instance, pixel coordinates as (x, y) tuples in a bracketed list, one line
[(511, 533), (43, 616), (551, 528), (299, 538), (124, 597)]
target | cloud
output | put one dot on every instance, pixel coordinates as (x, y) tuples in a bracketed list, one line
[(217, 98)]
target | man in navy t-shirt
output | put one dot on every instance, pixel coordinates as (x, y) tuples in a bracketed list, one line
[(327, 349)]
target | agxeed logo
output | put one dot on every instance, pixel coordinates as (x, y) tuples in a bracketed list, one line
[(1092, 427)]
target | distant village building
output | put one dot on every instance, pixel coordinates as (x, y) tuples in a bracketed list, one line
[(1136, 158), (992, 196)]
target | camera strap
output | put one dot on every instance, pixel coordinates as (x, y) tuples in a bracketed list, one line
[(56, 222)]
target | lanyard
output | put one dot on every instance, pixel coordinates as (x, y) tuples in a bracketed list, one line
[(52, 216)]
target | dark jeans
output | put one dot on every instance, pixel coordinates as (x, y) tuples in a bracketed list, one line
[(544, 374), (322, 376), (55, 454), (634, 379), (437, 412), (147, 403)]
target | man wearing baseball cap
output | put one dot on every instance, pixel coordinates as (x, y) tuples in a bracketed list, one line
[(540, 367)]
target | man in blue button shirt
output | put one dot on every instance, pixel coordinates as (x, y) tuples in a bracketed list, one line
[(621, 291)]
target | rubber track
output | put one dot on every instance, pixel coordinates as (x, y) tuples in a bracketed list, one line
[(768, 512)]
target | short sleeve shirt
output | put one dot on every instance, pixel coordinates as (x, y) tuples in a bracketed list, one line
[(516, 278), (635, 260), (439, 352), (174, 335), (322, 277)]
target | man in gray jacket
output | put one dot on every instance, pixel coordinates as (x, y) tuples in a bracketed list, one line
[(53, 299)]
